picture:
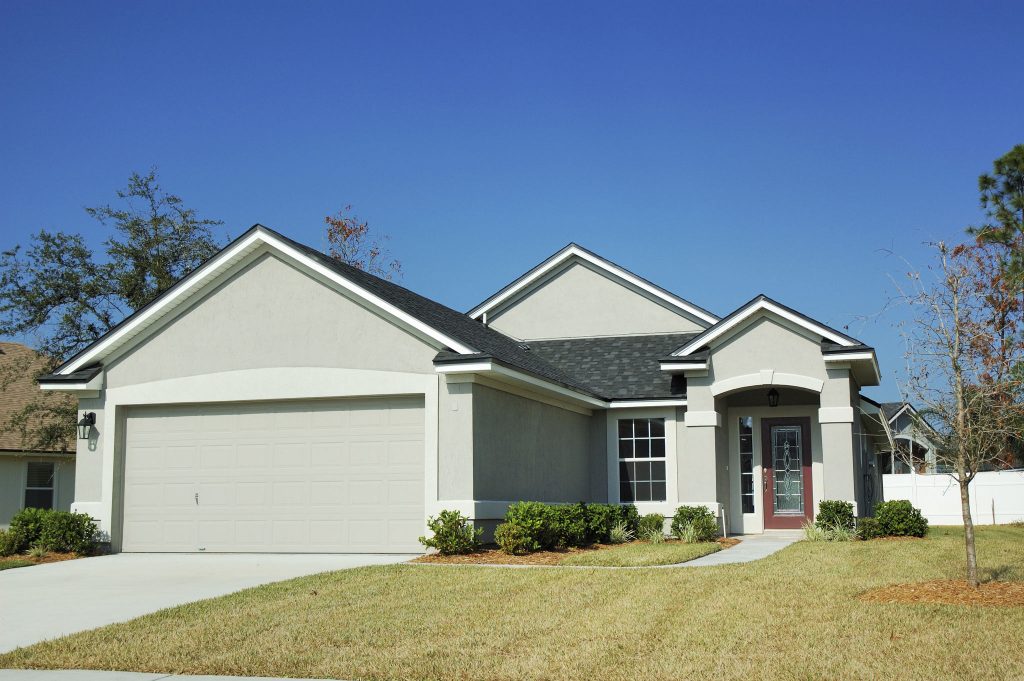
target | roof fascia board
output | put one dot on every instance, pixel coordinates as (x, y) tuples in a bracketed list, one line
[(494, 369), (728, 324), (637, 404), (210, 270), (564, 256)]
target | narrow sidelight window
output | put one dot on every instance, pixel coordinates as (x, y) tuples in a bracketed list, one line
[(39, 485), (642, 460), (746, 431)]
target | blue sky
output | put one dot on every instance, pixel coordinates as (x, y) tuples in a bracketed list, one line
[(719, 149)]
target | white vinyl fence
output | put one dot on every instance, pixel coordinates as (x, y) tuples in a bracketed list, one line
[(997, 497)]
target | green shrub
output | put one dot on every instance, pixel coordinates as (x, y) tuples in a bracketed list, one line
[(651, 525), (835, 515), (27, 527), (630, 516), (700, 519), (868, 528), (66, 532), (512, 539), (620, 533), (570, 525), (537, 521), (601, 518), (899, 518), (9, 543), (453, 534)]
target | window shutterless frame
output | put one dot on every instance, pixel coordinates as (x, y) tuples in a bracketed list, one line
[(642, 460), (39, 484)]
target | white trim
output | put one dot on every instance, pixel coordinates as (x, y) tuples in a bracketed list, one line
[(491, 368), (703, 419), (210, 270), (761, 305), (572, 250), (94, 384), (680, 367), (850, 357), (671, 460), (644, 404), (835, 415), (766, 377)]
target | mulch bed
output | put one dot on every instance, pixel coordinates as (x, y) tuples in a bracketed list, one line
[(48, 558), (950, 592), (494, 556)]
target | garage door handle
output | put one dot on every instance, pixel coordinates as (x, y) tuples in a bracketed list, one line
[(197, 498)]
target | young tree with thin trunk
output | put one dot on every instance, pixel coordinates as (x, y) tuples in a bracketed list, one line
[(964, 355)]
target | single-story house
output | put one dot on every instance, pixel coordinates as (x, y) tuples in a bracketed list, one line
[(276, 399), (28, 476)]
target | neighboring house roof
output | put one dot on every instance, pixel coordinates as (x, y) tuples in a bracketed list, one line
[(19, 392), (618, 367), (574, 251), (890, 410)]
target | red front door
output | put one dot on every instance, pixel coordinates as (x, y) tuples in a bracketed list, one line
[(786, 467)]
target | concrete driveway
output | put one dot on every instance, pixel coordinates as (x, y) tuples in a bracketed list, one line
[(46, 601)]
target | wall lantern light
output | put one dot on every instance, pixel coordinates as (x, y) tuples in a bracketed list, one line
[(773, 398), (86, 424)]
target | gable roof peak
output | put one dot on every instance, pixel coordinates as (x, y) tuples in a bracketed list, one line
[(573, 250)]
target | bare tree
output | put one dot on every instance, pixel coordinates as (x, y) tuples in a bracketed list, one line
[(351, 241), (963, 364)]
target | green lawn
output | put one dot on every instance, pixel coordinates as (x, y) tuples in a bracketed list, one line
[(8, 563), (793, 615), (640, 554)]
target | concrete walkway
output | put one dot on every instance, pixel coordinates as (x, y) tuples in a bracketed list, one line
[(46, 601), (751, 547)]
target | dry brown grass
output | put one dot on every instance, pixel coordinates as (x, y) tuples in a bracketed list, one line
[(793, 615)]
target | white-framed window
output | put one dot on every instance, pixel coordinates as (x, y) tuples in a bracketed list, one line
[(746, 433), (39, 484), (642, 462)]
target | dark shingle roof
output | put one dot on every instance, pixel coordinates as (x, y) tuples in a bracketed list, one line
[(890, 409), (617, 367), (490, 343)]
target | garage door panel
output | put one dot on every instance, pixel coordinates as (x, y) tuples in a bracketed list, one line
[(329, 476)]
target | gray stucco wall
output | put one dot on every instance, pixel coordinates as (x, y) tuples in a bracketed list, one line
[(12, 484), (528, 450), (579, 301), (271, 315)]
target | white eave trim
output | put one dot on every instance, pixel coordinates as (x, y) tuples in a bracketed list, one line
[(215, 267), (573, 251), (850, 357), (680, 367), (722, 328), (647, 404), (491, 368)]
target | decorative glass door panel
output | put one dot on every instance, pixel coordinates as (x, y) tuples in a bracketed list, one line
[(786, 463), (787, 469)]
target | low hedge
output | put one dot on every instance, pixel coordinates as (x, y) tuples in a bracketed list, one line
[(49, 530), (453, 534), (539, 526), (899, 518), (835, 515), (694, 524)]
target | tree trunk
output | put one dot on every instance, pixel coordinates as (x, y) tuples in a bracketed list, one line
[(972, 555)]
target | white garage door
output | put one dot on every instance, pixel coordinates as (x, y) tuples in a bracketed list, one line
[(311, 476)]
